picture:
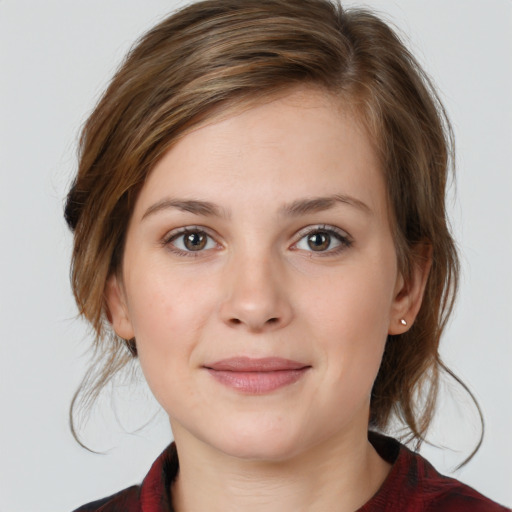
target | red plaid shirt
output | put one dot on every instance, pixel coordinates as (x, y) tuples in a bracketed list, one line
[(413, 485)]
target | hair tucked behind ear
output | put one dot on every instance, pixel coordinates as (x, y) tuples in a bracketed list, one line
[(220, 54)]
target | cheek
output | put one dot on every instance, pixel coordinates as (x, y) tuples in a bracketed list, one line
[(356, 303), (350, 317), (168, 314), (167, 302)]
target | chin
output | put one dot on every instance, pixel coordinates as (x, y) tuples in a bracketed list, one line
[(260, 450), (259, 442)]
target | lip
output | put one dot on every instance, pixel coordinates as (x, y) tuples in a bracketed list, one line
[(257, 375)]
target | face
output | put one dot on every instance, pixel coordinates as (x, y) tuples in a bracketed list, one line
[(260, 279)]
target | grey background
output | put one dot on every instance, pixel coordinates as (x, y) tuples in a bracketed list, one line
[(55, 58)]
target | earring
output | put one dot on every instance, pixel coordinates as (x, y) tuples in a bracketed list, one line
[(403, 321), (131, 346)]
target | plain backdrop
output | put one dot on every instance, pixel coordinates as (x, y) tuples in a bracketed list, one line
[(56, 57)]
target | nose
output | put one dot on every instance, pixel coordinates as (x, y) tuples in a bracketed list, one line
[(257, 295)]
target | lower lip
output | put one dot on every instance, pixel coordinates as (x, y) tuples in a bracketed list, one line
[(257, 383)]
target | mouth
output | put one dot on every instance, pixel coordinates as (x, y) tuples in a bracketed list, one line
[(257, 376)]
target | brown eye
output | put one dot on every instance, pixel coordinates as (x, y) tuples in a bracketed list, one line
[(190, 240), (324, 240), (319, 241), (195, 241)]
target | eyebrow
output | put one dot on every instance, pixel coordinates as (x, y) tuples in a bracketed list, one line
[(319, 204), (294, 209), (204, 208)]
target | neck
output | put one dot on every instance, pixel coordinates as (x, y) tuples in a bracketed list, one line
[(338, 475)]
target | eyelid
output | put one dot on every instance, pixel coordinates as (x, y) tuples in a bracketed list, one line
[(322, 227), (185, 229), (167, 239), (343, 237)]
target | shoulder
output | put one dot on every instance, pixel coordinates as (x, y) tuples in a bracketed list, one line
[(416, 486), (440, 493), (126, 500), (152, 494)]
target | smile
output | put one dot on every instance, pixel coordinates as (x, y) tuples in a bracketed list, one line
[(257, 376)]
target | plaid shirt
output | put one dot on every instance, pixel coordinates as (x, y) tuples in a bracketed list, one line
[(413, 485)]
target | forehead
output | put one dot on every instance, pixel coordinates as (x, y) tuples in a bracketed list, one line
[(301, 143)]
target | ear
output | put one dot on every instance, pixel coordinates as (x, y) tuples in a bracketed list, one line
[(117, 310), (409, 293)]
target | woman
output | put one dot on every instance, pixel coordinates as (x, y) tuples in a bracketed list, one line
[(259, 216)]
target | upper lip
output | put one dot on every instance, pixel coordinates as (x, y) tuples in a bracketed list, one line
[(249, 364)]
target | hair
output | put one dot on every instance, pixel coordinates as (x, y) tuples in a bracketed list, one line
[(218, 54)]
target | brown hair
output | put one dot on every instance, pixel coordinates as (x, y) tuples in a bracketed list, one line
[(219, 53)]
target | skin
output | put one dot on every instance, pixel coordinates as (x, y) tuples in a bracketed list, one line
[(258, 289)]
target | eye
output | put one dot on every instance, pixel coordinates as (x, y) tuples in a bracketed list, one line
[(190, 240), (323, 239)]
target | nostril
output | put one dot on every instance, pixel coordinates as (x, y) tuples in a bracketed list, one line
[(270, 321)]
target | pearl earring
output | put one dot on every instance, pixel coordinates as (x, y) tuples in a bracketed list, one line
[(403, 321)]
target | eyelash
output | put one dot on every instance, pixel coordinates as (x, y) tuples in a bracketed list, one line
[(341, 236), (344, 239), (174, 235)]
